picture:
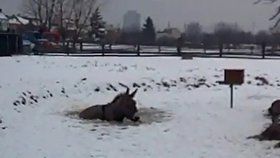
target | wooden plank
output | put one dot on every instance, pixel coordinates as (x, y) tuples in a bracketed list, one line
[(234, 76)]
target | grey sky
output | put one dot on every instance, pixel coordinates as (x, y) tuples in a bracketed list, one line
[(178, 12)]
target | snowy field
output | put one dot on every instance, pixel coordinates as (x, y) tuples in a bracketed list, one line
[(184, 112)]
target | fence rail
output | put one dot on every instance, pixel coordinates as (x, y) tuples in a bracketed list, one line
[(90, 50)]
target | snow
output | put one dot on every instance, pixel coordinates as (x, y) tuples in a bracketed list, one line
[(23, 20), (14, 21), (3, 16), (18, 20), (179, 119)]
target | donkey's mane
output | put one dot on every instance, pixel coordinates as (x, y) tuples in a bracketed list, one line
[(117, 97)]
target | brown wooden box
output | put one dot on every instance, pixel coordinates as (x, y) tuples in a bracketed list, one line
[(234, 76)]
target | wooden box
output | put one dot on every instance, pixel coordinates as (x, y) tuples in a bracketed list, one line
[(234, 76)]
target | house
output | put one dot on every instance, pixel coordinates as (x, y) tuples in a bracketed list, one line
[(172, 33), (17, 23), (4, 22), (112, 34)]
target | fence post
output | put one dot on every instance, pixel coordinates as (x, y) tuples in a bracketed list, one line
[(221, 49), (17, 40), (263, 49), (252, 49), (103, 49), (179, 45), (204, 48), (138, 49), (67, 48), (179, 50), (81, 46), (231, 96)]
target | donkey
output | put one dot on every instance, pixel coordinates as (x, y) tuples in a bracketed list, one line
[(122, 106), (274, 111), (271, 133)]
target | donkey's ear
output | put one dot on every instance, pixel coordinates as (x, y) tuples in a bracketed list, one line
[(127, 91), (133, 93)]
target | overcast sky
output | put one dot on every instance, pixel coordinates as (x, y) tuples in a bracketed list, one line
[(178, 12)]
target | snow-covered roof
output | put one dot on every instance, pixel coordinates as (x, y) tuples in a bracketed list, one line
[(18, 20), (14, 21), (3, 16), (22, 20)]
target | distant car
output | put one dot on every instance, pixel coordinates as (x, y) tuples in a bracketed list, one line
[(45, 46), (31, 36), (52, 36), (27, 46), (28, 43)]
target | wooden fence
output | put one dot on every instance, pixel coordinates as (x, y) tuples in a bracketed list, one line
[(90, 50), (10, 43)]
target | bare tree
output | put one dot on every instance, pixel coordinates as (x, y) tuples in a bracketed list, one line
[(76, 11), (112, 36), (51, 12), (33, 8), (225, 34), (80, 13), (193, 32), (263, 37), (276, 15), (61, 11), (42, 10)]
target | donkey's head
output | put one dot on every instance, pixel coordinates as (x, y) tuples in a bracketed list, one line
[(126, 104)]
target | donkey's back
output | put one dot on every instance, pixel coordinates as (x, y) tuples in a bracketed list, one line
[(93, 112)]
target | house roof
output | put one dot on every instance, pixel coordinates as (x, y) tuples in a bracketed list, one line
[(169, 30), (3, 16), (14, 21), (18, 20), (22, 20)]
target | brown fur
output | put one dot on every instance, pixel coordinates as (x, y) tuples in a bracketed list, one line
[(277, 145), (271, 133), (122, 106), (274, 110)]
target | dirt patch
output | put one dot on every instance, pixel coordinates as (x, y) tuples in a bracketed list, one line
[(1, 124), (73, 114), (147, 116), (260, 97), (153, 115), (262, 81)]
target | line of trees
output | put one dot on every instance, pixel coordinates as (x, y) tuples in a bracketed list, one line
[(224, 35), (227, 34), (147, 35)]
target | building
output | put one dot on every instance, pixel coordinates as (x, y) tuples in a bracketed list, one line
[(17, 23), (131, 21), (172, 33), (4, 21)]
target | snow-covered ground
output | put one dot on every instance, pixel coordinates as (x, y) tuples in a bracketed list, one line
[(184, 112)]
